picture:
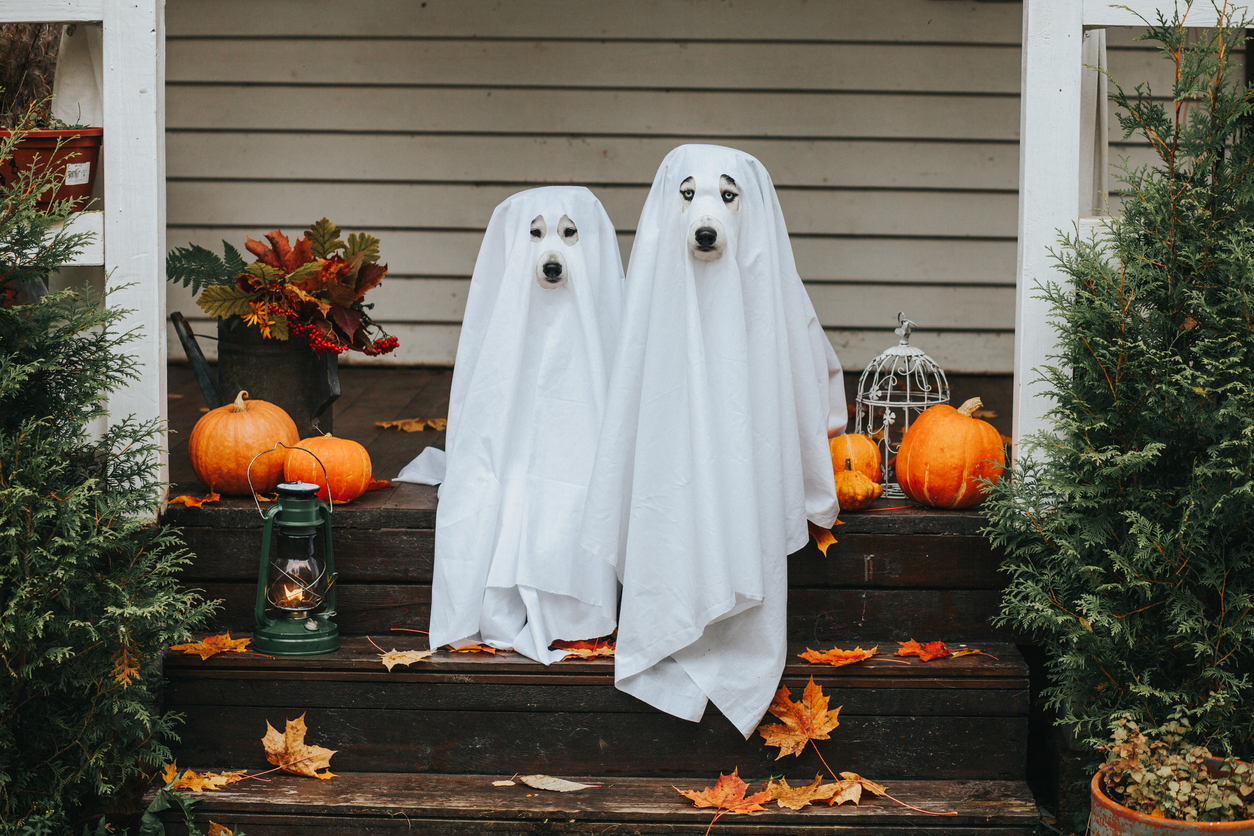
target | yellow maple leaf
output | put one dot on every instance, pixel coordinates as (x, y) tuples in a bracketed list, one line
[(201, 781), (413, 425), (403, 657), (192, 501), (170, 772), (850, 789), (837, 657), (216, 829), (476, 648), (803, 721), (290, 753), (795, 798), (822, 537), (212, 646)]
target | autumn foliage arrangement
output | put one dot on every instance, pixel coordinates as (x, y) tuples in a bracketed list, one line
[(313, 290)]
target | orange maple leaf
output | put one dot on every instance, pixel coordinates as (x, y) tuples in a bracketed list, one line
[(414, 425), (475, 648), (802, 721), (926, 652), (377, 484), (587, 648), (216, 829), (197, 781), (212, 646), (837, 657), (290, 753), (194, 502), (727, 796), (794, 798), (822, 537)]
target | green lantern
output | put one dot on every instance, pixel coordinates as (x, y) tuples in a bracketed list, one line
[(296, 577)]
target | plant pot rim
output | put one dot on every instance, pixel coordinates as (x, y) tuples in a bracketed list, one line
[(44, 133), (1100, 799)]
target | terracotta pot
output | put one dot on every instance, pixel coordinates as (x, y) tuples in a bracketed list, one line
[(1110, 818), (77, 160)]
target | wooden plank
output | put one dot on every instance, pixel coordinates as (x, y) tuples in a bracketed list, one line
[(51, 11), (405, 555), (442, 254), (842, 21), (251, 207), (648, 744), (814, 615), (1134, 13), (721, 113), (669, 64), (528, 160), (90, 222)]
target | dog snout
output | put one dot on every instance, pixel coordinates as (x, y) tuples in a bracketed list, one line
[(551, 270), (707, 238)]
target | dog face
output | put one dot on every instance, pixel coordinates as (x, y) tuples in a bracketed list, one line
[(551, 269), (713, 206)]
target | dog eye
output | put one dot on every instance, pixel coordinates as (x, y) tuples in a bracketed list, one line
[(729, 196), (567, 229), (538, 229), (687, 194), (535, 233)]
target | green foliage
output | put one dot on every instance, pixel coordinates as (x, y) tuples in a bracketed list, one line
[(1127, 532), (1161, 770), (324, 238), (198, 268), (363, 245), (88, 591), (29, 251)]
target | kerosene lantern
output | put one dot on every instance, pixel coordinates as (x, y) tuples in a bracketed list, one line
[(296, 578), (893, 390)]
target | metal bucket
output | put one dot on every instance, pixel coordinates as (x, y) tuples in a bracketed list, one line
[(287, 373)]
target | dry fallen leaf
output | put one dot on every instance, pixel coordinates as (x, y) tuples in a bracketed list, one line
[(586, 649), (290, 753), (377, 484), (548, 782), (476, 648), (837, 657), (794, 799), (504, 784), (969, 651), (216, 829), (413, 425), (403, 657), (198, 781), (192, 501), (802, 721), (926, 652), (728, 795), (212, 646), (822, 537), (850, 789)]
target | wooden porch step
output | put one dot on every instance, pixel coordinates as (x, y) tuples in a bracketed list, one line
[(453, 805), (900, 573), (473, 713)]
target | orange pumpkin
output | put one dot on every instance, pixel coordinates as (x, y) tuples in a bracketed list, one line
[(854, 490), (226, 439), (862, 453), (945, 453), (347, 466)]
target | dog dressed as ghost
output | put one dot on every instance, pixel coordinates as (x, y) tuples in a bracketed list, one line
[(713, 451), (528, 394)]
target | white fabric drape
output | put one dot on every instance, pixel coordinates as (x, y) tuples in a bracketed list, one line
[(713, 450), (527, 397)]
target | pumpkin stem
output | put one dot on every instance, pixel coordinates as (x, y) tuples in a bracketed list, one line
[(970, 406), (239, 406), (848, 466)]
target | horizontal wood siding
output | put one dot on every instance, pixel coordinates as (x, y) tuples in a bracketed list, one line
[(889, 128)]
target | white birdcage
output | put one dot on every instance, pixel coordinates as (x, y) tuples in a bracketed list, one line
[(895, 387)]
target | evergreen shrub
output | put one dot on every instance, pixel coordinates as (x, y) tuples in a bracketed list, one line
[(1129, 528)]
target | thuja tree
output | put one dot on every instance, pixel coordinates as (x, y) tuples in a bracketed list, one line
[(1129, 531), (88, 593)]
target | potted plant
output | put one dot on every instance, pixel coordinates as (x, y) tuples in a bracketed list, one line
[(1126, 527), (1159, 781), (70, 153), (285, 318)]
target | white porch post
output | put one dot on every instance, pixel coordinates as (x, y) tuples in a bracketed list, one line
[(134, 217)]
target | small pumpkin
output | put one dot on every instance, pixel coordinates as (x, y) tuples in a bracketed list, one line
[(858, 449), (945, 454), (226, 439), (347, 466), (854, 490)]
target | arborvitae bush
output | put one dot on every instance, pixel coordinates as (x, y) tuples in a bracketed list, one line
[(1129, 529)]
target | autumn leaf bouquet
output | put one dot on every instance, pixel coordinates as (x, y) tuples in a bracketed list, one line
[(312, 290)]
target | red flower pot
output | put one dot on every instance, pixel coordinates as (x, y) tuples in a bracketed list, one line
[(76, 161), (1110, 818)]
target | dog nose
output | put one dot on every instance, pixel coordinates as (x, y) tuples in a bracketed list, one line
[(552, 269), (706, 236)]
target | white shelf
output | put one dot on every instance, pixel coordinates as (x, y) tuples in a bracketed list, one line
[(93, 253), (51, 11)]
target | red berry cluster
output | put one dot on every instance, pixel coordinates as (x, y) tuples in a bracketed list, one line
[(382, 346), (319, 341)]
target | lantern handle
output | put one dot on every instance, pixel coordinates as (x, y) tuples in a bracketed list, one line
[(249, 473)]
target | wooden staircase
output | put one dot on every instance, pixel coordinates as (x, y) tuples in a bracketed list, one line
[(419, 747)]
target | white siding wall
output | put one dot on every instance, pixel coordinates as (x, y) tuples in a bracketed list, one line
[(890, 129)]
